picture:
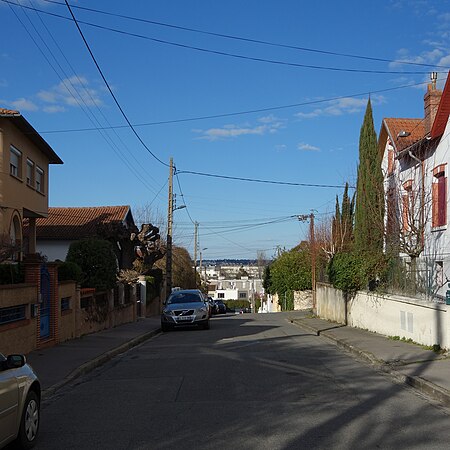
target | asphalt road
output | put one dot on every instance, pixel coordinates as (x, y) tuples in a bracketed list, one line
[(250, 382)]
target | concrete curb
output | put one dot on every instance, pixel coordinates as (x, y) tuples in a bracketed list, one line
[(96, 362), (426, 387)]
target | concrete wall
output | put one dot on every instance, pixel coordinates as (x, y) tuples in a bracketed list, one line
[(330, 303), (426, 323), (68, 323)]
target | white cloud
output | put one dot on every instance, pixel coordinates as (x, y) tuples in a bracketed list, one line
[(22, 104), (53, 109), (71, 91), (280, 147), (339, 107), (308, 147), (270, 125)]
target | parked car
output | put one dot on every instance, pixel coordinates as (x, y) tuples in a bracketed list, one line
[(185, 308), (220, 307), (211, 306), (20, 398)]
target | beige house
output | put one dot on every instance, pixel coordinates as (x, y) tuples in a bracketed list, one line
[(24, 182)]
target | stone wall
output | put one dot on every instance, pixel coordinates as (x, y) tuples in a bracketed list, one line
[(302, 300)]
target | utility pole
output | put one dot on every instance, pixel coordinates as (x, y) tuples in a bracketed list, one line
[(313, 259), (169, 233), (312, 245), (195, 251)]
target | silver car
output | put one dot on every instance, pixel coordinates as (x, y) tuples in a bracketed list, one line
[(20, 398), (184, 308)]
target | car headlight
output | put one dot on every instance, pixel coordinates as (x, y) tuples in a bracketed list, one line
[(167, 312), (203, 309)]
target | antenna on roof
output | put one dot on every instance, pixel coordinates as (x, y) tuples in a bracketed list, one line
[(433, 77)]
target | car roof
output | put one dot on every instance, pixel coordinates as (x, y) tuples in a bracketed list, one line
[(187, 291)]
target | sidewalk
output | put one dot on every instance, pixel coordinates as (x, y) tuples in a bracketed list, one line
[(57, 366), (422, 369)]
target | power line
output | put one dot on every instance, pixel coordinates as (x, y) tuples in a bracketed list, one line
[(90, 115), (182, 196), (233, 55), (109, 88), (254, 180), (239, 113), (252, 40)]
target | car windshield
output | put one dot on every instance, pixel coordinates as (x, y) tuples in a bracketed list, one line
[(184, 298)]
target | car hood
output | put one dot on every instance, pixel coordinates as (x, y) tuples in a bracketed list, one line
[(190, 305)]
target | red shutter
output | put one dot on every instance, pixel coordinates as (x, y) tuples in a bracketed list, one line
[(434, 204), (442, 201)]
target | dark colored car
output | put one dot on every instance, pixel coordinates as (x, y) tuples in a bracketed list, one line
[(220, 307), (184, 308)]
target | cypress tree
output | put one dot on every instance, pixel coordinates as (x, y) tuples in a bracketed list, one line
[(369, 206)]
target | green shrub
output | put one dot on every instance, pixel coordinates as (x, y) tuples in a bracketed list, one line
[(11, 273), (235, 304), (70, 271), (97, 261), (348, 272)]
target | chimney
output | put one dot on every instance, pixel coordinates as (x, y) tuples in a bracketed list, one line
[(431, 103)]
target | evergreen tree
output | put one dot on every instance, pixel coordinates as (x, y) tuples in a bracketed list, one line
[(369, 207), (342, 225)]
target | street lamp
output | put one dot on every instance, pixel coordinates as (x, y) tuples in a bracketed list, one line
[(206, 248)]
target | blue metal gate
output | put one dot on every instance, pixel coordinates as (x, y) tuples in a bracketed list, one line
[(45, 303)]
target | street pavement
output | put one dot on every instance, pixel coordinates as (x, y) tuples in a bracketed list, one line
[(409, 363)]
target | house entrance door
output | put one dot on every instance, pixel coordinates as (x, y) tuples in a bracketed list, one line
[(45, 303)]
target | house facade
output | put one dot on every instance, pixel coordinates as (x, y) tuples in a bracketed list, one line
[(415, 158), (237, 289), (64, 225), (24, 178)]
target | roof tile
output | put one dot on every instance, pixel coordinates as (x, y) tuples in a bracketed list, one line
[(415, 127), (73, 223)]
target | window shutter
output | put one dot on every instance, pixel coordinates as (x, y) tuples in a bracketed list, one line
[(442, 201), (434, 205)]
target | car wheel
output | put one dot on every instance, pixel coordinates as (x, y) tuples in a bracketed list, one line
[(165, 327), (29, 425)]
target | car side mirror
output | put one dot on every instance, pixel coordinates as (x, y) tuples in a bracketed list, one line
[(15, 361)]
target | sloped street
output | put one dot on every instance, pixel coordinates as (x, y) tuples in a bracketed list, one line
[(251, 381)]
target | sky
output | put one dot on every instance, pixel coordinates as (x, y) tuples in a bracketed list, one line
[(258, 89)]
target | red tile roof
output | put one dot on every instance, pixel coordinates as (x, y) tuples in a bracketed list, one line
[(443, 112), (77, 222), (415, 127), (9, 112)]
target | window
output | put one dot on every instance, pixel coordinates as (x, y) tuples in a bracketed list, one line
[(12, 314), (30, 173), (242, 294), (439, 197), (15, 158), (39, 180), (220, 295), (65, 304)]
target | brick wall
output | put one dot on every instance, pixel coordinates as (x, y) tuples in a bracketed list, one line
[(18, 337)]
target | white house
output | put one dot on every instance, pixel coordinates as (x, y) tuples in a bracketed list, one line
[(416, 153)]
